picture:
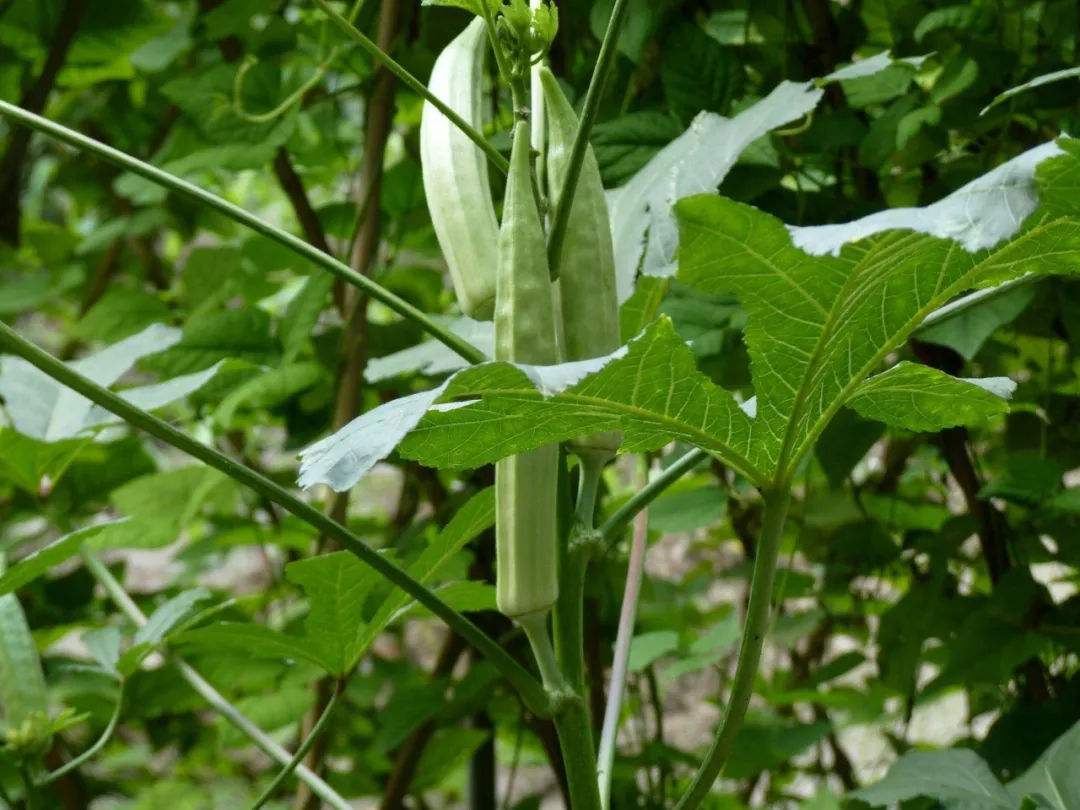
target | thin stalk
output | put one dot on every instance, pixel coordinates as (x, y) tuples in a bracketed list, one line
[(753, 638), (621, 656), (414, 84), (592, 471), (301, 752), (650, 492), (245, 218), (92, 751), (205, 690), (532, 693), (536, 630), (496, 45), (561, 217)]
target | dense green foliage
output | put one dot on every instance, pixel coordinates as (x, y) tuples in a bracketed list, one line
[(923, 633)]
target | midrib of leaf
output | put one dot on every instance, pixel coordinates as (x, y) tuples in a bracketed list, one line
[(706, 441), (844, 302), (796, 452)]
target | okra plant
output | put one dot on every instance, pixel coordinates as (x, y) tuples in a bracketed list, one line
[(804, 352)]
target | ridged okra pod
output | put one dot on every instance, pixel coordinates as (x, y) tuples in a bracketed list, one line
[(525, 484), (588, 299), (455, 173)]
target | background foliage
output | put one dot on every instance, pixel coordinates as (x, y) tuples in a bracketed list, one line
[(928, 597)]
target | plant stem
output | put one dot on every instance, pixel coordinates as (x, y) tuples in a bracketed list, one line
[(246, 218), (532, 693), (621, 655), (753, 638), (604, 61), (579, 757), (414, 84), (650, 492), (536, 630), (592, 471), (301, 752), (203, 687), (92, 751)]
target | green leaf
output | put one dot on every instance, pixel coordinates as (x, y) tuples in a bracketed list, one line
[(1054, 778), (652, 391), (818, 325), (448, 749), (648, 647), (33, 566), (22, 682), (1038, 81), (302, 313), (967, 331), (697, 72), (249, 639), (160, 623), (687, 510), (217, 335), (43, 409), (336, 586), (953, 775), (269, 389), (920, 398), (475, 516)]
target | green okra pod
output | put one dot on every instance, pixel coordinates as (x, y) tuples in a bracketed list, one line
[(588, 301), (525, 484)]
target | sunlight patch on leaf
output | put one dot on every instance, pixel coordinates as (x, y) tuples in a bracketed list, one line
[(920, 398), (981, 214), (43, 409), (818, 325)]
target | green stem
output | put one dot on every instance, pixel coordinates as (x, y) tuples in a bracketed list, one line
[(579, 756), (650, 492), (211, 695), (496, 45), (245, 218), (561, 216), (536, 630), (592, 471), (532, 693), (753, 638), (90, 752), (301, 752), (414, 84)]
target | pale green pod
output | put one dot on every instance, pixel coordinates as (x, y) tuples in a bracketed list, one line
[(588, 299), (525, 484), (455, 173)]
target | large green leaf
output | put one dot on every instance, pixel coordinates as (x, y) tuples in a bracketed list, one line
[(651, 391), (1055, 776), (920, 398), (818, 325), (955, 777), (338, 586)]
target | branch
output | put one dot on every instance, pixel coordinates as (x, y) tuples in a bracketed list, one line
[(650, 492), (621, 656), (532, 693), (246, 218), (34, 99)]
